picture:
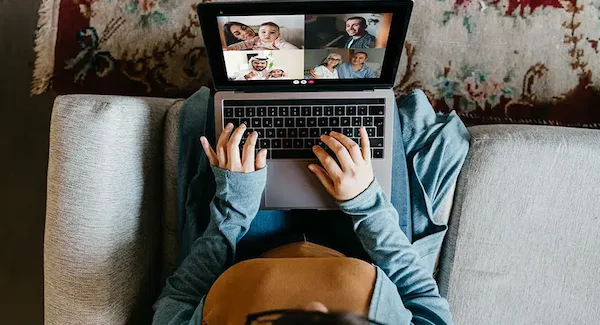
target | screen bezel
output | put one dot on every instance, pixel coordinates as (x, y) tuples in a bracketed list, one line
[(208, 13)]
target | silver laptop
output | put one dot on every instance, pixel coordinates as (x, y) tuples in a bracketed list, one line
[(295, 70)]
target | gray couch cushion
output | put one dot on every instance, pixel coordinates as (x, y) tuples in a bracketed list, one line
[(524, 240)]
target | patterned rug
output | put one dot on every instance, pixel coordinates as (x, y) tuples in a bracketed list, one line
[(493, 61)]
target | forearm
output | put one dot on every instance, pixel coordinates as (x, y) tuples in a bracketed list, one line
[(376, 224)]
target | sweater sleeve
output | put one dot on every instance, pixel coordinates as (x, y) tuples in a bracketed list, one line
[(236, 202), (376, 225)]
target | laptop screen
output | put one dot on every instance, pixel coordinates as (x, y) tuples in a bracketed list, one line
[(311, 47)]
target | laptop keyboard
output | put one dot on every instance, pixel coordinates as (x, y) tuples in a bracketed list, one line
[(289, 128)]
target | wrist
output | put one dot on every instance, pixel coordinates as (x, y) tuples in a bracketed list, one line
[(364, 200), (230, 185)]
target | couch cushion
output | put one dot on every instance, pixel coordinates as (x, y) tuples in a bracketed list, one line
[(523, 244)]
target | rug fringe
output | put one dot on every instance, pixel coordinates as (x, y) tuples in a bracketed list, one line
[(45, 42)]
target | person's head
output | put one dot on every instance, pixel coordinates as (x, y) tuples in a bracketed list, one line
[(314, 313), (356, 26), (259, 63), (276, 73), (332, 60), (359, 58), (237, 32), (268, 32)]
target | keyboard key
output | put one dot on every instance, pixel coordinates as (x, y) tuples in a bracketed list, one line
[(363, 110), (261, 111), (265, 143), (338, 130), (368, 121), (345, 121), (245, 120), (298, 143), (356, 121), (284, 111), (287, 143), (292, 154), (305, 111), (250, 112), (323, 121), (311, 121), (328, 110), (292, 133), (261, 133), (349, 132), (228, 112), (356, 140), (272, 111), (234, 121), (379, 126), (317, 111), (371, 132), (376, 142), (340, 110), (301, 122), (308, 143), (357, 132), (247, 133), (270, 133), (350, 110), (376, 110), (256, 122), (276, 143), (325, 131), (314, 133), (303, 133), (295, 111), (268, 122), (334, 121), (239, 111), (377, 153), (289, 122), (281, 133), (278, 122)]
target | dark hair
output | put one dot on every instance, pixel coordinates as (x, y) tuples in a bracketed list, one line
[(366, 55), (362, 20), (229, 37), (270, 23), (303, 317)]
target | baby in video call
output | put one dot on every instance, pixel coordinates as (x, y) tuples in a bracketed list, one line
[(268, 39)]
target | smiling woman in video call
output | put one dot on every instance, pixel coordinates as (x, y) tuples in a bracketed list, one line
[(236, 32)]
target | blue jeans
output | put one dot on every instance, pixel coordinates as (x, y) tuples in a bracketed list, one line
[(273, 228)]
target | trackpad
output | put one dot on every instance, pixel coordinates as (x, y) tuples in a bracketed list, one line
[(291, 185)]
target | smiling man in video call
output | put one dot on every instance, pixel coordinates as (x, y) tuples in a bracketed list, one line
[(258, 69), (356, 27)]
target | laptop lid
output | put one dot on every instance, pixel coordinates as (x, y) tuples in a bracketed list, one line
[(304, 45)]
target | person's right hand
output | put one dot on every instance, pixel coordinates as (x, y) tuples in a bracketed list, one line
[(313, 74), (355, 174), (228, 151)]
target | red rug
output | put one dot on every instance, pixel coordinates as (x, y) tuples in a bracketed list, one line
[(493, 61)]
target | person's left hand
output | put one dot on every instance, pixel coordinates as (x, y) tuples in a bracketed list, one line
[(228, 151)]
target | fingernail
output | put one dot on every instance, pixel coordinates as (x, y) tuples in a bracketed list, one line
[(314, 147), (229, 125), (311, 168)]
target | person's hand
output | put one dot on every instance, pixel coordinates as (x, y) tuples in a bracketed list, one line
[(313, 74), (251, 74), (353, 175), (228, 151)]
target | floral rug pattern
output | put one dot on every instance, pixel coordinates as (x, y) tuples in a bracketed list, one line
[(493, 61)]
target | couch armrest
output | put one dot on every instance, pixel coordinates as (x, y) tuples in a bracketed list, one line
[(101, 243)]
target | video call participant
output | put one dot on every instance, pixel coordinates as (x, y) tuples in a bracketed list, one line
[(236, 32), (327, 68), (356, 27), (277, 73), (355, 69), (258, 69), (268, 38)]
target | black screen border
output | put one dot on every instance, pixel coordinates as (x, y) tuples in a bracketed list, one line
[(208, 13)]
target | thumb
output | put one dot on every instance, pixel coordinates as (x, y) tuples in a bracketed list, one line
[(323, 178), (261, 159)]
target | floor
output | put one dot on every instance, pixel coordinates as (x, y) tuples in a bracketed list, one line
[(24, 128)]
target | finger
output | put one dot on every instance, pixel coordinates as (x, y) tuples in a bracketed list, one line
[(210, 153), (222, 143), (323, 177), (352, 146), (340, 151), (365, 145), (248, 154), (233, 147), (328, 162), (261, 159)]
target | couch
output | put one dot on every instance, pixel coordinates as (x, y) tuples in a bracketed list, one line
[(523, 245)]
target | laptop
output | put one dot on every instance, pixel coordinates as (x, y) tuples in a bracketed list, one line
[(293, 70)]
